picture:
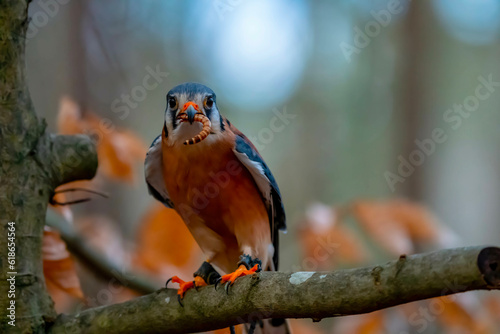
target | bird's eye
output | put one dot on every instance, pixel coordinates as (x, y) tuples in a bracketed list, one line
[(209, 102), (172, 103)]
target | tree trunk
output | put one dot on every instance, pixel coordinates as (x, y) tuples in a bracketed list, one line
[(33, 164)]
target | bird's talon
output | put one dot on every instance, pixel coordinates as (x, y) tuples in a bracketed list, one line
[(179, 299), (183, 286), (241, 271), (217, 282), (168, 281)]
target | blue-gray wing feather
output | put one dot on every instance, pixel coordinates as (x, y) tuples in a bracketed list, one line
[(153, 169), (267, 185)]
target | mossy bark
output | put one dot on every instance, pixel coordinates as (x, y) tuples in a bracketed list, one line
[(32, 164)]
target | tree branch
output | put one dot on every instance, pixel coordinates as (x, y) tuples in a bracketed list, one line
[(73, 158), (299, 295), (96, 261)]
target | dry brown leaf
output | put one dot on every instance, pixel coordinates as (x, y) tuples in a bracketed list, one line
[(58, 266), (397, 225), (118, 150), (305, 326), (118, 153), (63, 301), (456, 317), (371, 323), (492, 303), (165, 243), (69, 118), (325, 242)]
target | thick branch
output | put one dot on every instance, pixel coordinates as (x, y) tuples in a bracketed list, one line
[(298, 295), (96, 261), (74, 158)]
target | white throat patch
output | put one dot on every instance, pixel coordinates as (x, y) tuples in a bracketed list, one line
[(185, 131)]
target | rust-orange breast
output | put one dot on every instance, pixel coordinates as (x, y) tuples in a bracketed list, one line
[(211, 182)]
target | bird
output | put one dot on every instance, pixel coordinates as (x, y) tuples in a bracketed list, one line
[(207, 170)]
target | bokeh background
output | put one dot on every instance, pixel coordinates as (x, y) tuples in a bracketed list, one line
[(361, 81)]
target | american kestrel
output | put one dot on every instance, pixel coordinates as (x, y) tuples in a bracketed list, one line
[(213, 176)]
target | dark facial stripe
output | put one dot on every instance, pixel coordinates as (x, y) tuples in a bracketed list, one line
[(222, 126), (173, 117), (208, 112), (165, 129)]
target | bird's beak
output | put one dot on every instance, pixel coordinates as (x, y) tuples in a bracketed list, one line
[(190, 112), (190, 108)]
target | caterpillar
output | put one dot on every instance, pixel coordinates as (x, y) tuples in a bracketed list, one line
[(207, 125)]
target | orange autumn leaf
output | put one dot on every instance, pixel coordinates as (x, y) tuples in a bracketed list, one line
[(397, 225), (493, 305), (118, 150), (325, 242), (371, 323), (121, 151), (455, 317), (69, 119), (58, 266), (304, 326), (165, 242)]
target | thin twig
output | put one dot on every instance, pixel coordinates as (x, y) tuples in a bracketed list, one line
[(97, 262), (100, 193)]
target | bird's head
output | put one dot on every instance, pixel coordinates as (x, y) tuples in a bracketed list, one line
[(183, 103)]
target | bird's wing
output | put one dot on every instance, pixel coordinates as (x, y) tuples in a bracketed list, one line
[(247, 154), (153, 168)]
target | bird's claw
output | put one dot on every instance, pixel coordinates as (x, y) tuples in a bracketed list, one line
[(217, 282), (179, 299), (183, 287), (227, 285), (241, 271)]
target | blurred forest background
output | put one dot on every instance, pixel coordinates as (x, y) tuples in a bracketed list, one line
[(361, 81)]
